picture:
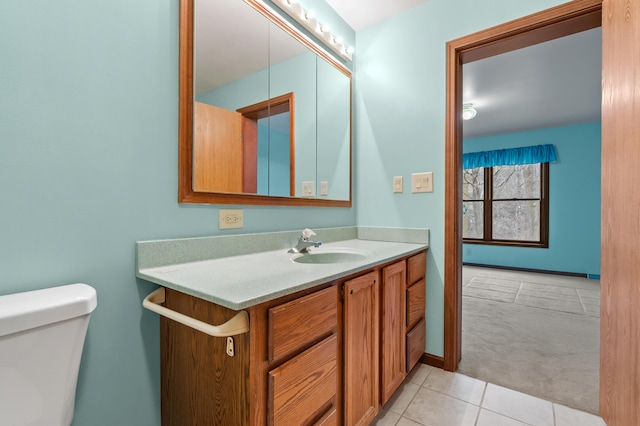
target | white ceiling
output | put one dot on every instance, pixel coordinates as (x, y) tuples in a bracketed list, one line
[(551, 84), (361, 14)]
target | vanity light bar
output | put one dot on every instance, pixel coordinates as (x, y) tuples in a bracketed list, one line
[(307, 20)]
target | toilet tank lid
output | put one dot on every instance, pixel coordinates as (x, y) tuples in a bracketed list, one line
[(31, 309)]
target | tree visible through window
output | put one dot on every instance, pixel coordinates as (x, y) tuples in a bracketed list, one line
[(506, 205)]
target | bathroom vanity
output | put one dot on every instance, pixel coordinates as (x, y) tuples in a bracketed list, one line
[(328, 343)]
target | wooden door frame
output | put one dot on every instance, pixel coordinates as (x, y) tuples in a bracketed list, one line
[(560, 21)]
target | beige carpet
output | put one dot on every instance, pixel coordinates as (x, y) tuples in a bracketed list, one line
[(535, 333)]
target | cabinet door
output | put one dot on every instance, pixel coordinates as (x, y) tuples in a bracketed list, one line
[(392, 329), (361, 346)]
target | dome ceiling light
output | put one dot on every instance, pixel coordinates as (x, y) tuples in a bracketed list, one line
[(468, 111)]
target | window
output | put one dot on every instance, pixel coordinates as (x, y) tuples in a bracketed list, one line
[(506, 205)]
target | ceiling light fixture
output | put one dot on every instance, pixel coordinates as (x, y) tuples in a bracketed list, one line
[(468, 111), (319, 30)]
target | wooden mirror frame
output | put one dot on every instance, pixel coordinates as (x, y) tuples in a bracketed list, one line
[(186, 194)]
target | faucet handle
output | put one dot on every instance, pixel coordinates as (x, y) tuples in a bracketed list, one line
[(307, 233)]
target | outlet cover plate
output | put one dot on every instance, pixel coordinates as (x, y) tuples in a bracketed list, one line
[(324, 187), (397, 184), (230, 219), (309, 188), (422, 182)]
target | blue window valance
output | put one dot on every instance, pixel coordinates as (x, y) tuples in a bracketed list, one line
[(510, 157)]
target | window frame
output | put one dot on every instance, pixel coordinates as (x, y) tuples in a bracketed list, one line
[(488, 213)]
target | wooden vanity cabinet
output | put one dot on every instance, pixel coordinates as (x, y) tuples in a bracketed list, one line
[(330, 355), (416, 306), (284, 371)]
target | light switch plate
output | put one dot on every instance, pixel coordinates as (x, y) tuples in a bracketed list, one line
[(230, 219), (324, 187), (309, 188), (422, 182), (397, 184)]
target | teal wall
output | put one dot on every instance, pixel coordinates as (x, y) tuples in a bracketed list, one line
[(399, 120), (88, 163), (88, 166), (574, 202)]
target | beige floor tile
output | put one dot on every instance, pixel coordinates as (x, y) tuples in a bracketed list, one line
[(406, 422), (517, 405), (572, 307), (420, 373), (456, 385), (489, 418), (496, 284), (551, 295), (566, 416), (402, 397), (589, 294), (433, 408), (386, 418), (489, 294), (548, 288)]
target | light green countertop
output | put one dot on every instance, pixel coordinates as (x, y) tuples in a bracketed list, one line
[(242, 280)]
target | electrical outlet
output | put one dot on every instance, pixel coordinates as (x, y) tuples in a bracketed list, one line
[(309, 188), (397, 184), (422, 182), (324, 187), (230, 219)]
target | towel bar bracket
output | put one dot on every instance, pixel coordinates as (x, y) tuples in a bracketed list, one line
[(239, 324)]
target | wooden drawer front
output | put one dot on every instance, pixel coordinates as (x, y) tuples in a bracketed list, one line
[(329, 419), (301, 322), (304, 388), (416, 267), (416, 341), (416, 303)]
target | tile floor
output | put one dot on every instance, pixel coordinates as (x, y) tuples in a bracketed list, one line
[(431, 396), (574, 295)]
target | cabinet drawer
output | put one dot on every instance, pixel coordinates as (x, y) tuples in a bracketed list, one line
[(416, 267), (416, 341), (305, 386), (329, 419), (416, 303), (301, 322)]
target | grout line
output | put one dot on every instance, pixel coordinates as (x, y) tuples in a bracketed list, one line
[(584, 308), (484, 391), (509, 417), (518, 293), (553, 410), (420, 386)]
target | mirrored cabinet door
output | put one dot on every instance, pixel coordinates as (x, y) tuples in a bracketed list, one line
[(265, 116)]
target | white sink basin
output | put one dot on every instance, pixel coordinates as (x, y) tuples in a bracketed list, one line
[(331, 255)]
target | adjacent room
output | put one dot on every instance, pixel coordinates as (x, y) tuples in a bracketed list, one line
[(531, 209)]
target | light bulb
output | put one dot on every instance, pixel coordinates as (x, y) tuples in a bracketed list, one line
[(468, 111)]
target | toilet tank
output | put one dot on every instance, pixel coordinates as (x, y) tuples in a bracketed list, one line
[(42, 333)]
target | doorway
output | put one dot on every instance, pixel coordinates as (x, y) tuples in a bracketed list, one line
[(570, 18), (525, 330)]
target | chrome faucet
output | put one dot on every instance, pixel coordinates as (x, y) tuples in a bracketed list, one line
[(304, 243)]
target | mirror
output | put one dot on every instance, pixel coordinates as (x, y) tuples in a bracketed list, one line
[(265, 115)]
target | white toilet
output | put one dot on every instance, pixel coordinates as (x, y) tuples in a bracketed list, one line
[(41, 338)]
